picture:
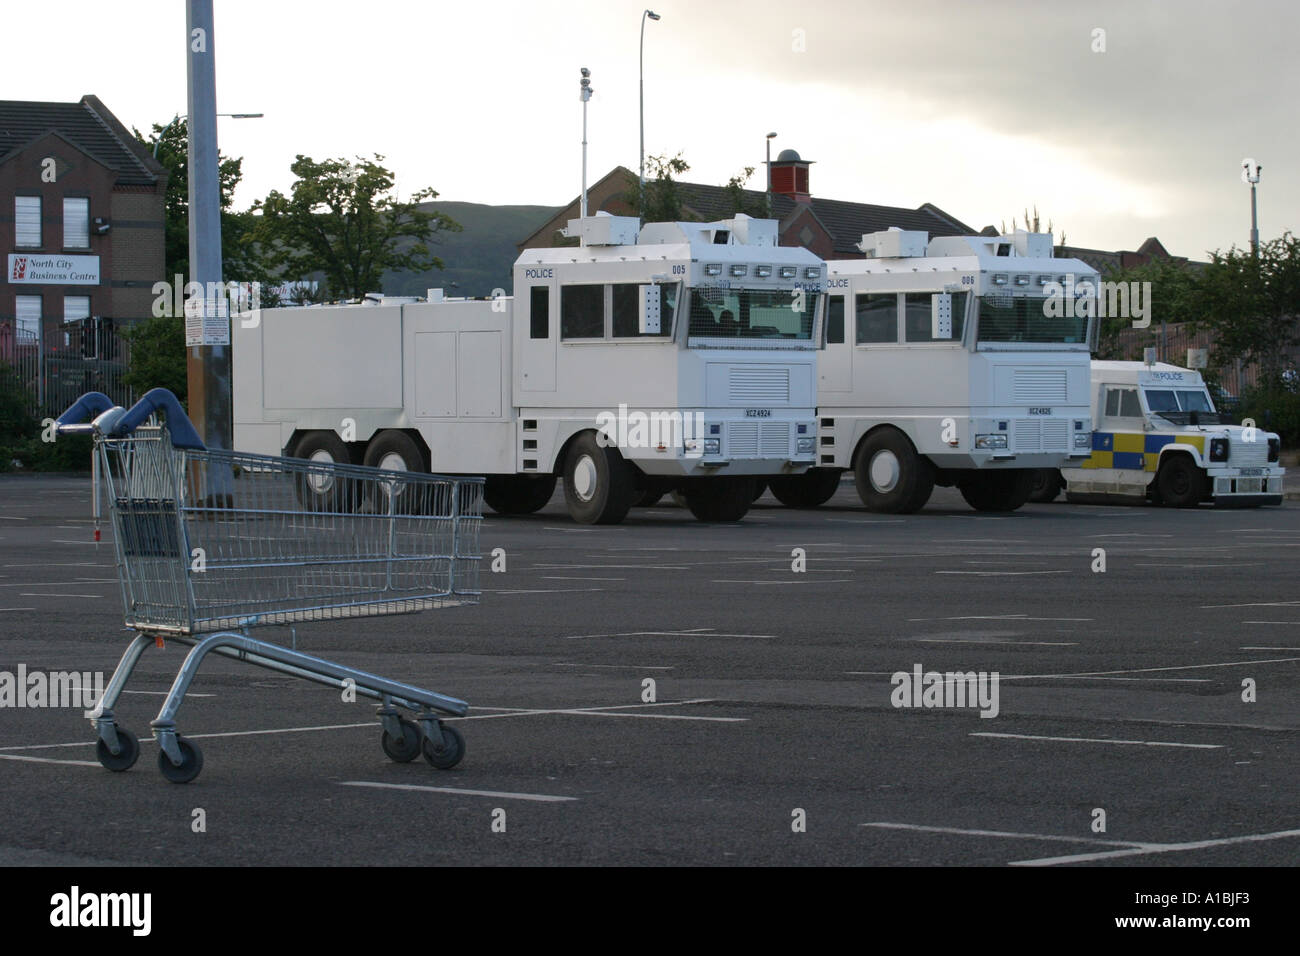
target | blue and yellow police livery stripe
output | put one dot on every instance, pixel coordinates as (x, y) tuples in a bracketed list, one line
[(1139, 451)]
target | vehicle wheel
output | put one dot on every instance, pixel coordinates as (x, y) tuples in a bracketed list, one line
[(810, 490), (407, 748), (721, 499), (451, 751), (1181, 484), (518, 494), (396, 451), (1047, 484), (998, 490), (598, 484), (125, 760), (191, 762), (891, 477), (323, 490)]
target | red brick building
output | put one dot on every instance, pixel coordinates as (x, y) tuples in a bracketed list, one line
[(81, 241)]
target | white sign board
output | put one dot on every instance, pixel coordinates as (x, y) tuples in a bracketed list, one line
[(210, 326), (43, 269)]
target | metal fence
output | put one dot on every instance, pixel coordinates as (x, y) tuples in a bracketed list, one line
[(55, 369)]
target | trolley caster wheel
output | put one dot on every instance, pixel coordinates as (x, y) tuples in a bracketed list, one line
[(405, 749), (191, 762), (450, 753), (125, 760)]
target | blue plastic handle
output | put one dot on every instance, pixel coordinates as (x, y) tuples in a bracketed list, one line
[(85, 408), (179, 426)]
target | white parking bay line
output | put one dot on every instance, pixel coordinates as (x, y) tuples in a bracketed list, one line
[(1144, 849), (541, 590), (75, 763), (1256, 648), (808, 581), (1004, 834), (17, 609), (984, 640), (557, 577), (1101, 740), (499, 794), (1001, 574), (693, 632)]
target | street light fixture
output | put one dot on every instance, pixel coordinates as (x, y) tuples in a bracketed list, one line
[(176, 119), (584, 86), (653, 16), (1250, 171)]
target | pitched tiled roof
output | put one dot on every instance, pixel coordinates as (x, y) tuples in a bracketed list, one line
[(88, 125), (847, 222)]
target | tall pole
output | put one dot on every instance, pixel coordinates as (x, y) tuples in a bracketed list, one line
[(585, 87), (770, 137), (207, 333), (1254, 224), (653, 16)]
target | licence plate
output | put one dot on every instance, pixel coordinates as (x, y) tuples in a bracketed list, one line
[(1252, 471)]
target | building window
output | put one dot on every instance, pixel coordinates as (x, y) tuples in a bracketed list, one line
[(582, 311), (27, 222), (539, 312), (76, 308), (29, 317), (76, 223)]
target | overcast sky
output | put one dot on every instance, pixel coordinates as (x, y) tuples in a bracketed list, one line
[(981, 108)]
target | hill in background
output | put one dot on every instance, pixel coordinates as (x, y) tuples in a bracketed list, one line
[(479, 258)]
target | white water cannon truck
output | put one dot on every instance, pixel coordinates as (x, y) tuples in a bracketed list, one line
[(671, 357), (958, 360)]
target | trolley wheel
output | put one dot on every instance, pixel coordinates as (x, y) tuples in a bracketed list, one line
[(407, 748), (124, 760), (191, 762), (451, 751)]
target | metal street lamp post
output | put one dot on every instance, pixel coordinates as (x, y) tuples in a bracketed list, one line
[(653, 16)]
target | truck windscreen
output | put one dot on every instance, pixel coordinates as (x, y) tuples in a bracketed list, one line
[(1035, 319), (1176, 405), (752, 313)]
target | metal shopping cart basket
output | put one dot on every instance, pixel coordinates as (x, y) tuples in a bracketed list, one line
[(211, 544)]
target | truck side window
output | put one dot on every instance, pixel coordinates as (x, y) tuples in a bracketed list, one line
[(627, 309), (539, 312), (582, 311), (835, 320), (1122, 403), (917, 324), (877, 317)]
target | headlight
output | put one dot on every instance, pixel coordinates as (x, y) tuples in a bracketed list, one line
[(1218, 449), (1083, 440), (990, 441), (805, 446), (1274, 449), (713, 446)]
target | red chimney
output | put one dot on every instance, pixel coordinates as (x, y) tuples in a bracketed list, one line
[(790, 176)]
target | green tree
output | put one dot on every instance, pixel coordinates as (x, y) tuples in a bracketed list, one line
[(738, 202), (238, 258), (1251, 305), (342, 219), (1173, 298), (659, 200), (157, 355)]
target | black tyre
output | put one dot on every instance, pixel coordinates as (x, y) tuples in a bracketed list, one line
[(322, 489), (451, 751), (720, 499), (1047, 484), (997, 490), (405, 749), (125, 760), (1180, 483), (598, 483), (518, 494), (809, 490), (191, 762), (890, 476), (397, 451)]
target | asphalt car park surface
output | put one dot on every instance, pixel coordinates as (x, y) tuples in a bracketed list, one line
[(772, 735)]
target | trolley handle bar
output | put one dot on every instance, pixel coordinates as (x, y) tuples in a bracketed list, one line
[(118, 425)]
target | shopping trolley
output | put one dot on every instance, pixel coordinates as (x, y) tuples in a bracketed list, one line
[(211, 544)]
